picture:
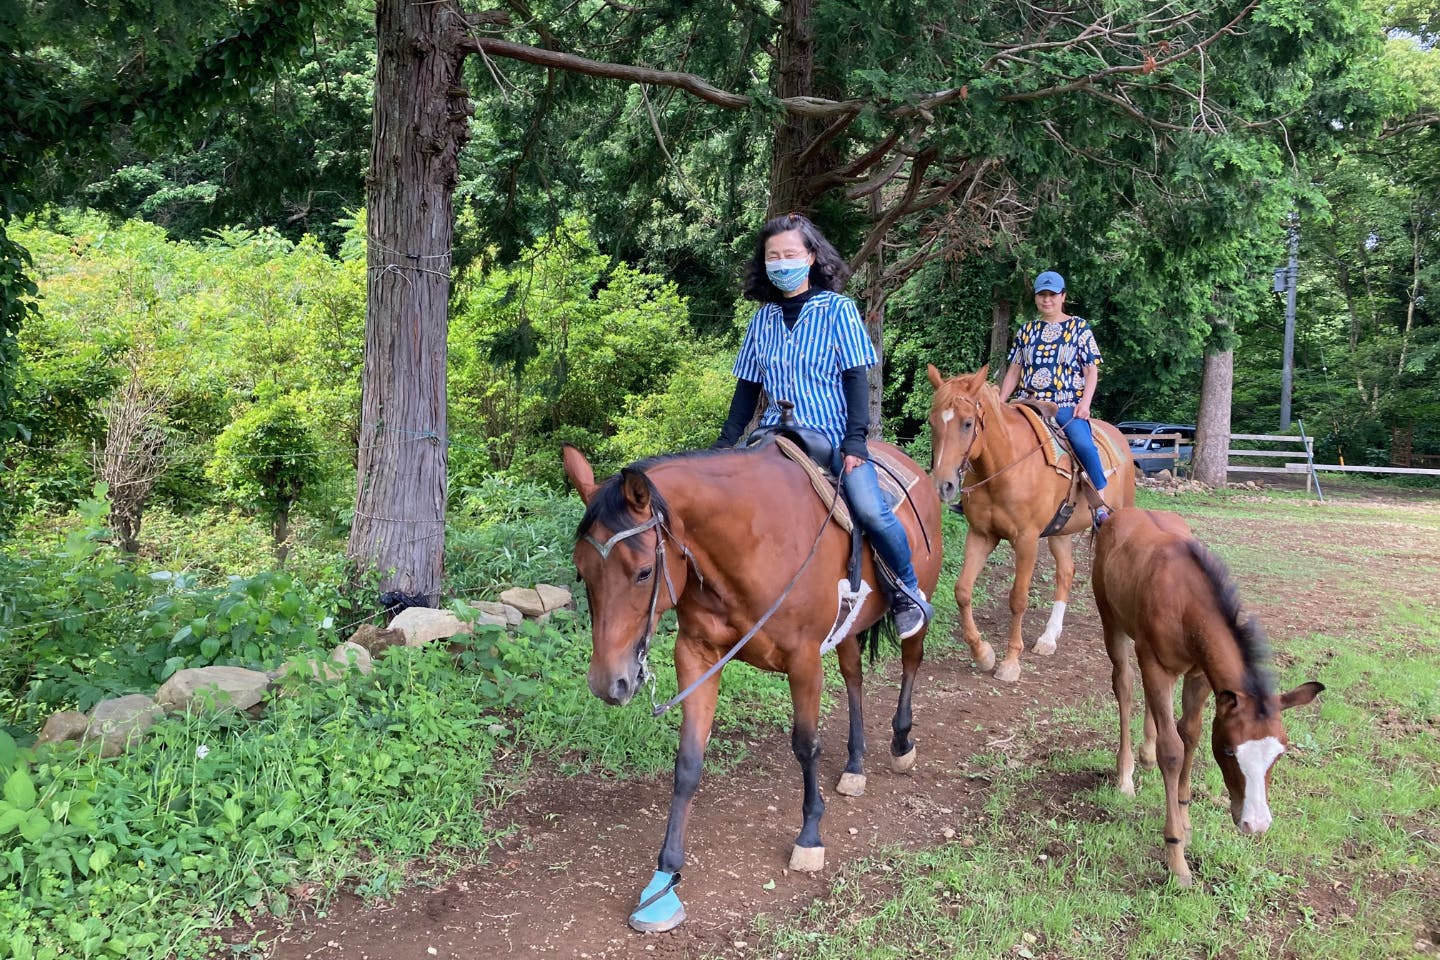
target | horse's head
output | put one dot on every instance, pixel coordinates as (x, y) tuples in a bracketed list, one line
[(957, 423), (1248, 737), (629, 576)]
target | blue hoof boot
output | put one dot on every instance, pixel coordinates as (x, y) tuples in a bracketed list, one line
[(660, 909)]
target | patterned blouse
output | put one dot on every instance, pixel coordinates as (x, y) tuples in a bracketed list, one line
[(803, 365), (1053, 358)]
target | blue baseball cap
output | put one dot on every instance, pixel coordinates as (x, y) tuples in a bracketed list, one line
[(1051, 281)]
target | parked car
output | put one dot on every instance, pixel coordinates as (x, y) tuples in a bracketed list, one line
[(1140, 446)]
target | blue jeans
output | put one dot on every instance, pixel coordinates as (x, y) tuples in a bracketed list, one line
[(1083, 440), (877, 520)]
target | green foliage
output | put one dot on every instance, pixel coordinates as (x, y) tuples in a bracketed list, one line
[(552, 350), (268, 458)]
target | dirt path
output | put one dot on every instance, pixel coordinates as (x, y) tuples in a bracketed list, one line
[(565, 882)]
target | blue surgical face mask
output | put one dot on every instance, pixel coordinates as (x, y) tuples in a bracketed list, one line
[(787, 275)]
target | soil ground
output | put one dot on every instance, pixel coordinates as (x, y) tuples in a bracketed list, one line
[(562, 884)]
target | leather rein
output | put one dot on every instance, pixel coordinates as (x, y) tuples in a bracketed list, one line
[(965, 460), (662, 531)]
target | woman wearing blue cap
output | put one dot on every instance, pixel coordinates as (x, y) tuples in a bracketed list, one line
[(807, 344), (1055, 357)]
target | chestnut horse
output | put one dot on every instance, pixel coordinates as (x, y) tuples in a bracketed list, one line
[(1155, 583), (986, 453), (735, 540)]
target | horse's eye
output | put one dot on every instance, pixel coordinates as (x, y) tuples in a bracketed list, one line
[(1227, 752), (644, 574), (969, 424)]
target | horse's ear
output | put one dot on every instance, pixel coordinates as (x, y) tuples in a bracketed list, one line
[(637, 491), (983, 373), (1226, 700), (578, 469), (936, 379), (1301, 695)]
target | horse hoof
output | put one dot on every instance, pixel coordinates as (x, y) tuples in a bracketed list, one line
[(1043, 647), (985, 659), (1008, 672), (1127, 787), (851, 784), (662, 912), (903, 763), (807, 859), (1183, 879)]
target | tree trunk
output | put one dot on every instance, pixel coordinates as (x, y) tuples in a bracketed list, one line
[(1212, 423), (1002, 313), (420, 122), (794, 77)]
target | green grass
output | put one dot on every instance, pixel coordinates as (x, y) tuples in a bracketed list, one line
[(1347, 871)]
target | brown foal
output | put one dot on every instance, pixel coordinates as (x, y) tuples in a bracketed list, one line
[(1156, 584)]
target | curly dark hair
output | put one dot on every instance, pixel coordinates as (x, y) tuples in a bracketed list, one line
[(828, 272)]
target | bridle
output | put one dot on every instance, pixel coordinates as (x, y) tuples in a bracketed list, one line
[(975, 435), (661, 532), (657, 523)]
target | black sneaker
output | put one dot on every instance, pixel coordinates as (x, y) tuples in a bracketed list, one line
[(910, 616)]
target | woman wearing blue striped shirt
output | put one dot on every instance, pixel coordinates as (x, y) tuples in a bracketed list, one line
[(807, 344)]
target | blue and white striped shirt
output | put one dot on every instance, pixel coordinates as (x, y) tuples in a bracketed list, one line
[(804, 365)]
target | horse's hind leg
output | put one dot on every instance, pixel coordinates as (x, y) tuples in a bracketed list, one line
[(1008, 670), (852, 781), (1062, 548), (902, 748), (809, 852)]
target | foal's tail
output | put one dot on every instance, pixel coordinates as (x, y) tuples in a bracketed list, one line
[(1249, 634)]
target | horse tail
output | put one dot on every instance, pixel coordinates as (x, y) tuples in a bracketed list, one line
[(870, 637), (1248, 633)]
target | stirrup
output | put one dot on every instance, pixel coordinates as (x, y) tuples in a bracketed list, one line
[(1062, 517)]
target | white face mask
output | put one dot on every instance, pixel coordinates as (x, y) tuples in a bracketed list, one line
[(787, 275)]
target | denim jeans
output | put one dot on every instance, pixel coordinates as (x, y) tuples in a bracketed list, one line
[(1083, 440), (877, 520)]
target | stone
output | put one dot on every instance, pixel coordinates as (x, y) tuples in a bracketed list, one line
[(63, 726), (513, 617), (1164, 475), (378, 639), (352, 654), (525, 600), (421, 625), (553, 597), (215, 688), (118, 722)]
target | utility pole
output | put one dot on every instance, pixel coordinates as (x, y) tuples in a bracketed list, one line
[(1287, 368)]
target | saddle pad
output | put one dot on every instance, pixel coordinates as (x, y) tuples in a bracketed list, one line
[(1056, 454), (892, 491)]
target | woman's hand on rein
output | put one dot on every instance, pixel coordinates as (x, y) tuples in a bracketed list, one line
[(851, 462)]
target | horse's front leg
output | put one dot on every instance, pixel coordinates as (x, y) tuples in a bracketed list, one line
[(1193, 695), (1008, 670), (809, 852), (852, 781), (1062, 548), (660, 907), (1170, 753), (978, 548)]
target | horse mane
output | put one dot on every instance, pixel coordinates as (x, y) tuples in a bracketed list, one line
[(1249, 634), (608, 506)]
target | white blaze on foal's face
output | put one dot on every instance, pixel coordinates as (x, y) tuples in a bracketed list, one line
[(1255, 758)]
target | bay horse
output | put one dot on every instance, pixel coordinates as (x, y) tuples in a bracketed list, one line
[(736, 540), (986, 453), (1156, 584)]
